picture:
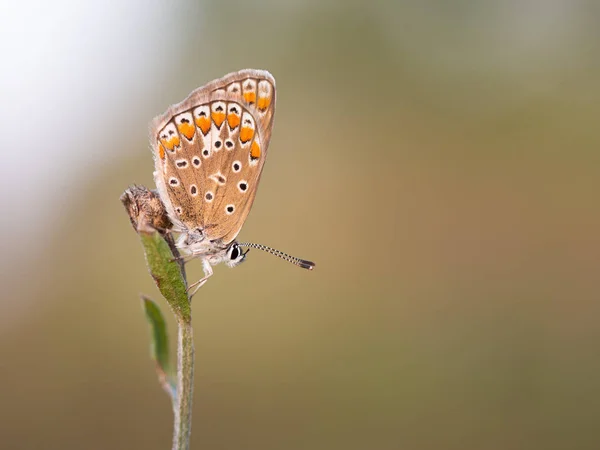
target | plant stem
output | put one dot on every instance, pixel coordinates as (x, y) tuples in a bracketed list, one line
[(182, 402), (149, 219)]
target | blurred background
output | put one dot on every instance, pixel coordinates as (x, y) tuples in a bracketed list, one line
[(437, 160)]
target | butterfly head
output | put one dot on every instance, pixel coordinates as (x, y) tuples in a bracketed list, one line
[(215, 252), (234, 255)]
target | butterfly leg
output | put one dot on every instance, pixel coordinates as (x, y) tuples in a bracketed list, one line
[(184, 259), (198, 284)]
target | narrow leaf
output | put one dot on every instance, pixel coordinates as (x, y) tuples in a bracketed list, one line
[(159, 344), (167, 273)]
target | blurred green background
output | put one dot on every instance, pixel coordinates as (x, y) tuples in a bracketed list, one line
[(437, 160)]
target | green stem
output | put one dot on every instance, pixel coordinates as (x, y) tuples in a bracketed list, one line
[(147, 215), (182, 403)]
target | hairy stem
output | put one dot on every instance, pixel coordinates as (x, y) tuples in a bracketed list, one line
[(182, 403)]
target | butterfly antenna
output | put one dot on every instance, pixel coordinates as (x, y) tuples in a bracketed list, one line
[(292, 259)]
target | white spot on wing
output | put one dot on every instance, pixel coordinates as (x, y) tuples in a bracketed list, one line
[(202, 111), (234, 87), (264, 88), (218, 178)]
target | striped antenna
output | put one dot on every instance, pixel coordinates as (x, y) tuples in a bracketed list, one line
[(297, 261)]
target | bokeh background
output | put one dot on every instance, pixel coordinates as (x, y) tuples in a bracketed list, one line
[(438, 160)]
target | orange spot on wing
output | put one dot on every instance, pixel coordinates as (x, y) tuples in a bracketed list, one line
[(161, 151), (246, 134), (203, 123), (250, 97), (218, 118), (186, 129), (233, 120), (171, 143), (263, 103), (255, 150)]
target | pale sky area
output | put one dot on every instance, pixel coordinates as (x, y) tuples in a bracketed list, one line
[(65, 63), (57, 53)]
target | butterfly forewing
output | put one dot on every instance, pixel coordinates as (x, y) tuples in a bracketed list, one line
[(210, 150)]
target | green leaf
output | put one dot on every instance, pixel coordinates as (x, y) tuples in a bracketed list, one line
[(159, 343), (166, 272)]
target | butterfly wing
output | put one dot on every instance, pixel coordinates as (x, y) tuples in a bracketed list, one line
[(209, 151)]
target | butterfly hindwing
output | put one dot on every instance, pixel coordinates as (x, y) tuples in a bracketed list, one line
[(210, 150)]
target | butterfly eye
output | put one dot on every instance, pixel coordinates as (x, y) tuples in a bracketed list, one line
[(236, 256)]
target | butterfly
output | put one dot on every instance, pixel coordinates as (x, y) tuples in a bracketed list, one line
[(209, 153)]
